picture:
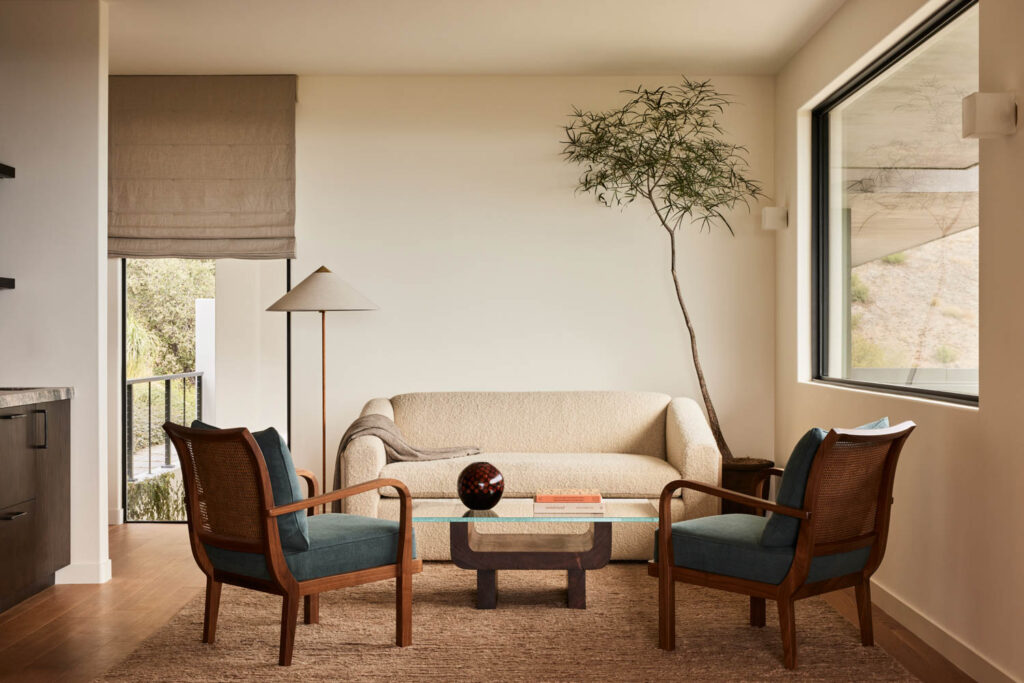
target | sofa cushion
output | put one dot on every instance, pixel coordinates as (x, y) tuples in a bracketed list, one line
[(537, 422), (782, 530), (338, 544), (730, 545), (284, 483), (615, 475)]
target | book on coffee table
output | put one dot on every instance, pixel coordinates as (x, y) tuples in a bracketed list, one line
[(568, 502), (568, 496)]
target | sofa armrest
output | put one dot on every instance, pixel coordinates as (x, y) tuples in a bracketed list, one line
[(690, 448), (363, 460)]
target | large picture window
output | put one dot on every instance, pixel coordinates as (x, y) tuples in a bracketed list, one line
[(896, 218)]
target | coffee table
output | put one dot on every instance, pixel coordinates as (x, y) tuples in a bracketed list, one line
[(489, 552)]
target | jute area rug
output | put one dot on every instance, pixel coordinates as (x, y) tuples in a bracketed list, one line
[(531, 636)]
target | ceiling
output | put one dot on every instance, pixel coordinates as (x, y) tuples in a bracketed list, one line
[(460, 37)]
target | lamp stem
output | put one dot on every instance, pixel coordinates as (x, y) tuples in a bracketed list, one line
[(323, 395)]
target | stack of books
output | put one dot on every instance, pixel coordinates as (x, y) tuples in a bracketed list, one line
[(568, 502)]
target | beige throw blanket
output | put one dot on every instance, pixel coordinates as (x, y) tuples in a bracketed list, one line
[(395, 445)]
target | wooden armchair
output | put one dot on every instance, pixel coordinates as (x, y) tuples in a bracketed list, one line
[(834, 540), (235, 536)]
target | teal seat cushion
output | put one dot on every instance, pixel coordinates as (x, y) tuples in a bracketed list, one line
[(284, 483), (781, 531), (338, 544), (730, 545)]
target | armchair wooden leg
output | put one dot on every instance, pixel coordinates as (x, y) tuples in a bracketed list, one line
[(311, 609), (787, 624), (666, 609), (757, 611), (403, 609), (212, 609), (289, 614), (867, 633)]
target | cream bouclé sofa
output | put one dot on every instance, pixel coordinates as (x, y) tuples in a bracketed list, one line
[(626, 444)]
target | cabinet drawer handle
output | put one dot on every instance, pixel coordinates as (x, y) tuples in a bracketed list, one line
[(15, 416), (46, 427), (10, 516)]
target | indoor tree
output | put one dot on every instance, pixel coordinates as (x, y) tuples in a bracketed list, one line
[(665, 147)]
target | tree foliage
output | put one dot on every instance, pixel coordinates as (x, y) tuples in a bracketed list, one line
[(161, 313), (666, 147)]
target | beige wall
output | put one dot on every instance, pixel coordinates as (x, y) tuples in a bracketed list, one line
[(955, 558), (53, 130), (445, 201)]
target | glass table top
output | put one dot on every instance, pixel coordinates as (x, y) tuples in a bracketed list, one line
[(521, 510)]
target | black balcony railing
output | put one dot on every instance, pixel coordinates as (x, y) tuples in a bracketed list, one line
[(141, 444)]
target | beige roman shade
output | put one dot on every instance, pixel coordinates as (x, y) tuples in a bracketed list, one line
[(202, 167)]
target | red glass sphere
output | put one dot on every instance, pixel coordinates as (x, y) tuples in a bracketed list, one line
[(480, 486)]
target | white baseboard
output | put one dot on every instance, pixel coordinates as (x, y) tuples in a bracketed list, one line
[(115, 516), (84, 572), (949, 646)]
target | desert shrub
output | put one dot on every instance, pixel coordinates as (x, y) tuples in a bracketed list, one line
[(897, 259), (945, 355), (865, 353), (858, 290), (954, 312)]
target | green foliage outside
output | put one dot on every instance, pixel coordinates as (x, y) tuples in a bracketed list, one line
[(945, 355), (858, 290), (160, 497), (897, 259), (865, 353), (161, 312)]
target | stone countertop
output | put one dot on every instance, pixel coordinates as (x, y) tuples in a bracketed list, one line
[(24, 396)]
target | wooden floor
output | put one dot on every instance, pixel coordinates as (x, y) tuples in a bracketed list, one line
[(75, 633)]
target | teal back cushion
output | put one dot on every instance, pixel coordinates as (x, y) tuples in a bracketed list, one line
[(284, 482), (780, 529)]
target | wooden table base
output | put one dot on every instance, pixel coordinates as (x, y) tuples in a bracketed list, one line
[(487, 553)]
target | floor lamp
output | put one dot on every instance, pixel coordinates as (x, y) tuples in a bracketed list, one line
[(323, 291)]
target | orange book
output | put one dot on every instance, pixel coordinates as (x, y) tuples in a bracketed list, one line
[(568, 496)]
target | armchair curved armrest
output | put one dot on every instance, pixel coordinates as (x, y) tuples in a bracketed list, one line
[(312, 486), (764, 481), (725, 494), (403, 494)]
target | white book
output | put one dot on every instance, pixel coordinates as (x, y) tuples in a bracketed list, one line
[(568, 508)]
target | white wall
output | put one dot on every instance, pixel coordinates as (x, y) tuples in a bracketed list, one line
[(445, 201), (53, 129), (955, 557), (250, 346), (206, 355)]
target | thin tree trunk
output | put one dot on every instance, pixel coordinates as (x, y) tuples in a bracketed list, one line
[(716, 429)]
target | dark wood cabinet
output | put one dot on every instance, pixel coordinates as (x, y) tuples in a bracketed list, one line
[(35, 497)]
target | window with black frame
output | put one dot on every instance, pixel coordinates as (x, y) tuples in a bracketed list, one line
[(895, 234)]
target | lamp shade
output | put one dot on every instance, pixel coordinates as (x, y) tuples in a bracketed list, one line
[(323, 291)]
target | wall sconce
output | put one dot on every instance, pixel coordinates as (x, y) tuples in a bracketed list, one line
[(989, 114), (774, 218)]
